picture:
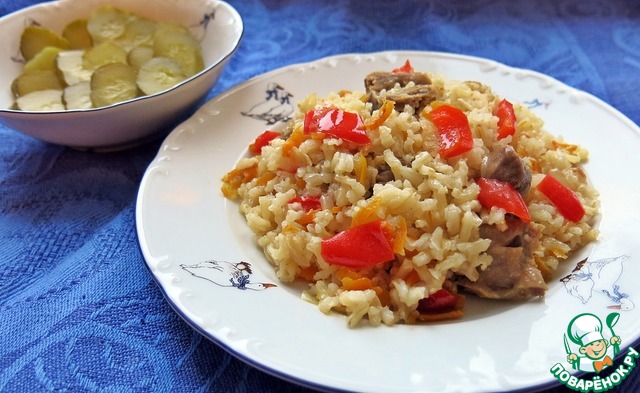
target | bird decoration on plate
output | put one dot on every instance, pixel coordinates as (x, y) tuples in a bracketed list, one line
[(599, 277), (227, 274), (276, 106)]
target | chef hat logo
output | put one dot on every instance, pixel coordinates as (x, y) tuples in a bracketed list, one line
[(585, 329)]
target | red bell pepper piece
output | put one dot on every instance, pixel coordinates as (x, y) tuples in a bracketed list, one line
[(506, 119), (360, 246), (440, 301), (500, 194), (454, 132), (262, 140), (405, 68), (337, 123), (562, 197), (308, 202)]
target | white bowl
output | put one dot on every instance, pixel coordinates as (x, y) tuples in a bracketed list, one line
[(216, 24)]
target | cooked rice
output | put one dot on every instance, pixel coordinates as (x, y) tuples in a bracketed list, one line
[(435, 198)]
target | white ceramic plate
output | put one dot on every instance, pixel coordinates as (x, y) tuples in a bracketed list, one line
[(183, 219)]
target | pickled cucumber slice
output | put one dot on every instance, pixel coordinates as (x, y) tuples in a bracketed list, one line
[(138, 32), (78, 96), (43, 60), (113, 83), (35, 81), (181, 47), (163, 27), (95, 62), (102, 54), (42, 100), (139, 55), (107, 23), (36, 38), (77, 34), (158, 74), (71, 66)]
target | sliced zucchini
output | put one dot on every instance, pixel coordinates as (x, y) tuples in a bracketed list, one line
[(78, 96), (102, 54), (77, 34), (43, 60), (36, 38), (70, 63), (113, 83), (42, 100), (37, 80), (158, 74)]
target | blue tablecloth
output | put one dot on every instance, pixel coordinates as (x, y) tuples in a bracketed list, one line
[(80, 311)]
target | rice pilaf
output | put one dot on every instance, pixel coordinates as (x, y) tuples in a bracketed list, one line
[(361, 198)]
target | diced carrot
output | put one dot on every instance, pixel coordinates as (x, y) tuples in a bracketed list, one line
[(547, 275), (367, 213), (412, 278), (295, 139), (307, 217), (229, 191), (307, 273), (346, 272), (569, 148), (380, 116), (361, 168), (359, 284), (265, 177), (301, 183), (389, 233), (353, 281), (235, 178), (399, 236), (383, 295), (410, 253), (318, 135), (535, 166), (290, 229)]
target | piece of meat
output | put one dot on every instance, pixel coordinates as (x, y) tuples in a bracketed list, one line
[(513, 273), (381, 80), (506, 165), (382, 86), (511, 237)]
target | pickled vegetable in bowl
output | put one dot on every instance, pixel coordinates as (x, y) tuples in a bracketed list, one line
[(78, 65), (111, 56)]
